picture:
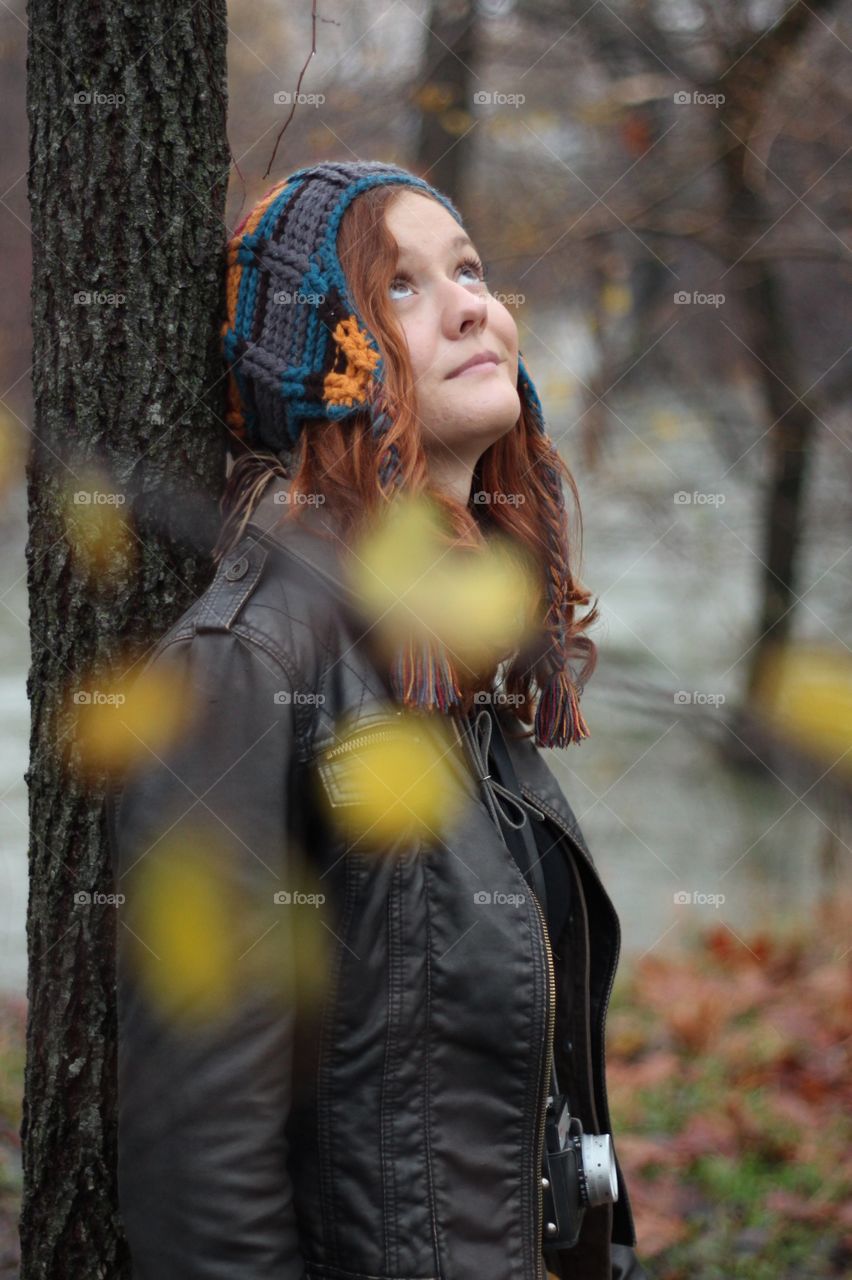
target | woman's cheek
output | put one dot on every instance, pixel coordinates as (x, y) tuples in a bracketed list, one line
[(419, 352), (504, 324)]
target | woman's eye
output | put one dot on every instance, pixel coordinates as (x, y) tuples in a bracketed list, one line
[(474, 267), (398, 281), (471, 266)]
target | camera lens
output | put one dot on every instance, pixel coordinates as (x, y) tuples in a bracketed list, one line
[(599, 1174)]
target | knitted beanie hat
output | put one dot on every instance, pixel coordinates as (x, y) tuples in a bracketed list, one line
[(298, 350)]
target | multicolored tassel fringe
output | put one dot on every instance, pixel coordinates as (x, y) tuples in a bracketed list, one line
[(558, 718), (423, 678)]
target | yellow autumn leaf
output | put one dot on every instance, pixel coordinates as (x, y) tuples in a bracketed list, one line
[(397, 779), (120, 720), (616, 299), (806, 693), (477, 602), (92, 509), (204, 945), (186, 957)]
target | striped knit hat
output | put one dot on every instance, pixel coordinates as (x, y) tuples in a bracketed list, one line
[(297, 349)]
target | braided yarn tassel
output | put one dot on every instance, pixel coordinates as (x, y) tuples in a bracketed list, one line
[(558, 718)]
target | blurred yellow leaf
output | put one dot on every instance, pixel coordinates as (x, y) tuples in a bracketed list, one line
[(477, 601), (807, 693), (120, 720), (616, 299), (184, 921), (204, 944), (433, 96), (95, 523), (456, 121), (666, 425), (395, 780)]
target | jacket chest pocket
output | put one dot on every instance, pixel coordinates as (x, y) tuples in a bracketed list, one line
[(387, 781)]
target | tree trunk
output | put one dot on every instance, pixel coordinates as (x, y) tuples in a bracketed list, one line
[(791, 423), (445, 97), (127, 182)]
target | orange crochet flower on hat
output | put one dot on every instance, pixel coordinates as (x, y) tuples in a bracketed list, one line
[(361, 360)]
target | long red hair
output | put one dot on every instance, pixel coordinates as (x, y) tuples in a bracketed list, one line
[(340, 460)]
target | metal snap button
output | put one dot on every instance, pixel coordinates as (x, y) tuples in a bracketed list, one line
[(237, 570)]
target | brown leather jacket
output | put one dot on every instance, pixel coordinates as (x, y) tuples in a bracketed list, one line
[(399, 1132)]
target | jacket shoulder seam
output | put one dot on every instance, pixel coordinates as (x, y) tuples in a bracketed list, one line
[(242, 631)]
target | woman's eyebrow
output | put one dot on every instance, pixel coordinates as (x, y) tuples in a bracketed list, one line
[(456, 243)]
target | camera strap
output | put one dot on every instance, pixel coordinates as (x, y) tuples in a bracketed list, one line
[(524, 846), (502, 795)]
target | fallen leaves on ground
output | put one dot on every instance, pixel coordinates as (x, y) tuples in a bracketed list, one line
[(731, 1094)]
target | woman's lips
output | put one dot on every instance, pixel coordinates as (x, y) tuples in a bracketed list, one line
[(484, 366)]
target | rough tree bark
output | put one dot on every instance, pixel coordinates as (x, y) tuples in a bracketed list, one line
[(127, 182), (445, 96)]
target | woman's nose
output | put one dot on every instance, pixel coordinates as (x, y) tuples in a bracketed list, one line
[(463, 310)]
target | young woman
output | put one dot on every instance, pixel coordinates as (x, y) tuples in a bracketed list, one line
[(398, 1121)]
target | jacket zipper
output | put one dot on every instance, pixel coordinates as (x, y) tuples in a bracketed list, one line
[(369, 735), (544, 1082), (558, 822)]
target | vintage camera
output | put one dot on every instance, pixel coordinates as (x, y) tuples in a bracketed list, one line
[(579, 1173)]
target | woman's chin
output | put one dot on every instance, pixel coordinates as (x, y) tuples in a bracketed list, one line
[(487, 412)]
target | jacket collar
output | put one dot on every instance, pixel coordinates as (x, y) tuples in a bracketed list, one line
[(313, 538)]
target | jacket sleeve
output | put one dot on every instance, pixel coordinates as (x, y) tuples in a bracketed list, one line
[(203, 1183)]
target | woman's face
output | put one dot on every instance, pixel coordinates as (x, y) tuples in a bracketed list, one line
[(448, 315)]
